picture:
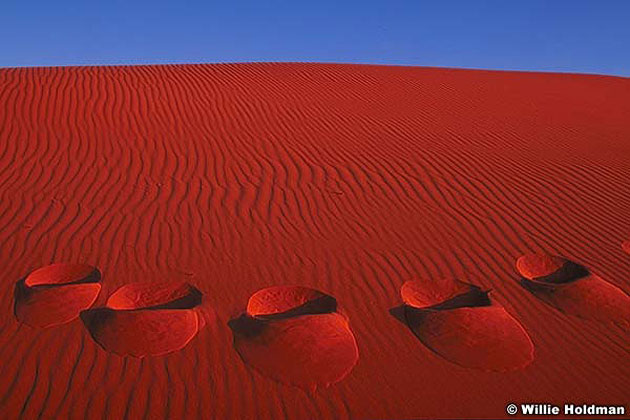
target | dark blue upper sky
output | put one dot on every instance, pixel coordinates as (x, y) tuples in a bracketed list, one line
[(552, 35)]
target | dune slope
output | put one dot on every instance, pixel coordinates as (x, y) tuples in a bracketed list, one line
[(346, 179)]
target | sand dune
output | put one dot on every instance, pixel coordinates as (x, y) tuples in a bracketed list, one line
[(298, 200)]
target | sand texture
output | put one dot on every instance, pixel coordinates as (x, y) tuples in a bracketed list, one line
[(311, 241)]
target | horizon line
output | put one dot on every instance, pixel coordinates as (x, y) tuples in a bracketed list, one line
[(351, 63)]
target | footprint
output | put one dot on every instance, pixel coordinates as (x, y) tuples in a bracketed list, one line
[(294, 335), (573, 289), (289, 301), (56, 294), (146, 319), (459, 322)]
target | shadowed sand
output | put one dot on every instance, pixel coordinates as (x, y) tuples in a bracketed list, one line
[(292, 334), (573, 289), (56, 294), (459, 322), (289, 301), (146, 319)]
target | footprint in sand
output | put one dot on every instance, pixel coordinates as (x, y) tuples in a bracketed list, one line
[(459, 322), (56, 294), (295, 335), (146, 319), (573, 289)]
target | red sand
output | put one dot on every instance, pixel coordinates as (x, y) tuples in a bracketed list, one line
[(461, 323), (56, 294), (308, 351), (427, 293), (146, 318), (279, 300), (572, 289), (484, 337), (152, 294), (142, 333), (346, 179), (294, 335)]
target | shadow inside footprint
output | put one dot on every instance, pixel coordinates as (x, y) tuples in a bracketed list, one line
[(572, 288), (280, 302), (294, 335), (459, 322), (146, 319), (56, 294)]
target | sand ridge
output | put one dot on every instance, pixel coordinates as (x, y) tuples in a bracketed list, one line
[(345, 179)]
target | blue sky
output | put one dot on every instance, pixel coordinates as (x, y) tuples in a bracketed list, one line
[(553, 35)]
